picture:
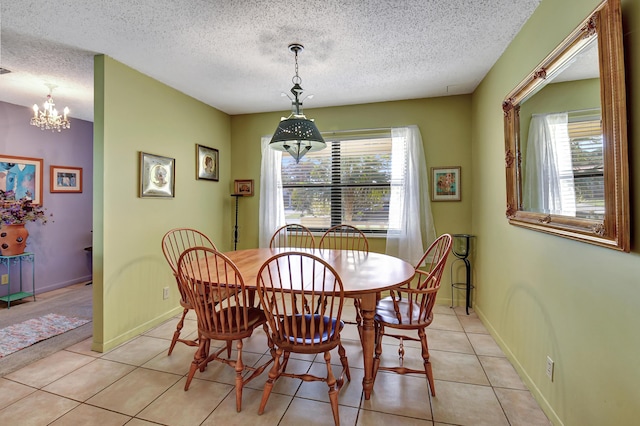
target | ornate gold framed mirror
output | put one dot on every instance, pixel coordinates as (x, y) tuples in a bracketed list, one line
[(566, 157)]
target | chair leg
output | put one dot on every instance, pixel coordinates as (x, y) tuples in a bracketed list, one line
[(176, 334), (285, 362), (356, 304), (426, 362), (333, 398), (274, 373), (198, 358), (379, 332), (272, 350), (345, 362), (205, 354), (333, 392), (239, 370)]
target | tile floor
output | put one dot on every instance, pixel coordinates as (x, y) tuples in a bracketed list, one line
[(138, 384)]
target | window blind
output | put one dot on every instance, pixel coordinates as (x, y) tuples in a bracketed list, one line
[(348, 182), (588, 167)]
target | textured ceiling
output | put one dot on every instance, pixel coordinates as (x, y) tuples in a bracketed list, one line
[(233, 54)]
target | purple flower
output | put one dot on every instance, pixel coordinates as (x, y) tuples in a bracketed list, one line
[(13, 212)]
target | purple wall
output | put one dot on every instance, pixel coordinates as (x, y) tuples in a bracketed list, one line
[(59, 245)]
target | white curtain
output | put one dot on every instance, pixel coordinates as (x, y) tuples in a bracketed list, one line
[(271, 200), (548, 179), (410, 207)]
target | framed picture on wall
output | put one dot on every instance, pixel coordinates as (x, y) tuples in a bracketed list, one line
[(65, 179), (157, 176), (445, 184), (207, 163), (244, 187), (22, 176)]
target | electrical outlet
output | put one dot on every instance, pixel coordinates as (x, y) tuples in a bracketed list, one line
[(549, 371), (5, 279), (165, 293)]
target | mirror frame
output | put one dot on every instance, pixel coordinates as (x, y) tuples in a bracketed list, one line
[(614, 230)]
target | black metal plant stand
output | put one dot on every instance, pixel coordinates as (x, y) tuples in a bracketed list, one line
[(461, 246), (235, 227)]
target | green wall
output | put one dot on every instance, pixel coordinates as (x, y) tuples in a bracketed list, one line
[(135, 113), (445, 126), (540, 294)]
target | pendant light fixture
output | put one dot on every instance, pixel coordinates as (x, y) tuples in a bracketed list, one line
[(297, 134), (48, 118)]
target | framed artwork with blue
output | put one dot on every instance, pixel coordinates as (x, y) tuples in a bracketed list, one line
[(66, 179), (21, 177)]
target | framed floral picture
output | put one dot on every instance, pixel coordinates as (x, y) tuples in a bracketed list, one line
[(157, 176), (65, 179), (22, 177), (445, 184), (207, 163), (244, 187)]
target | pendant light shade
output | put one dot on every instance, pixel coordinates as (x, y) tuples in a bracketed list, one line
[(297, 134)]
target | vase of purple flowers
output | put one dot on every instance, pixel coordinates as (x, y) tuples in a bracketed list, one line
[(13, 216)]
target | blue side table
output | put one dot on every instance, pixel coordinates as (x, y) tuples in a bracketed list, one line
[(7, 261)]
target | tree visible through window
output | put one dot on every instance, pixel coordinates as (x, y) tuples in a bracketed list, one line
[(588, 167), (348, 182)]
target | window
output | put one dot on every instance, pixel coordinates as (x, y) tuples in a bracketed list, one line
[(379, 181), (588, 167), (348, 182)]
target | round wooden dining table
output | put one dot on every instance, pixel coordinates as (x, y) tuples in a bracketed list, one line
[(363, 276)]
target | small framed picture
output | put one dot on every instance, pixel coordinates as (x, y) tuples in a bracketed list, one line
[(445, 184), (207, 163), (65, 179), (157, 176), (22, 176), (244, 187)]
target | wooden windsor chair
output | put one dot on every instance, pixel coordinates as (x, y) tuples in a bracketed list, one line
[(302, 297), (174, 243), (292, 235), (216, 291), (409, 308), (347, 237)]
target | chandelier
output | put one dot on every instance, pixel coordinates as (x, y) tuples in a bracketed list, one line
[(48, 118), (297, 134)]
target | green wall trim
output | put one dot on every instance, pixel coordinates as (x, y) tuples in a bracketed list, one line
[(136, 331)]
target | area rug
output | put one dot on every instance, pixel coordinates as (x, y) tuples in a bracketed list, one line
[(24, 334)]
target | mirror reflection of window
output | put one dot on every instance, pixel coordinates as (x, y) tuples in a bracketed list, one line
[(565, 164), (587, 154)]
